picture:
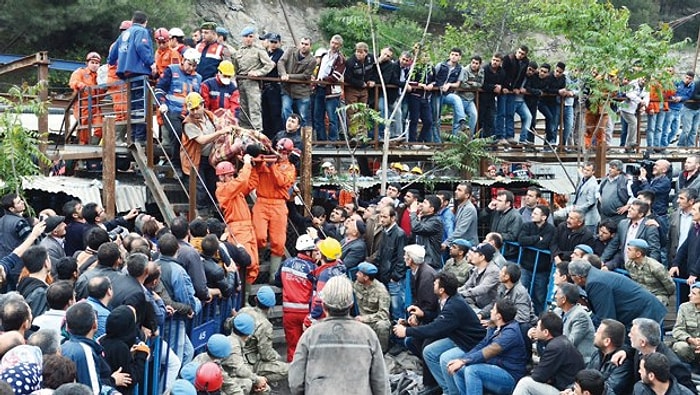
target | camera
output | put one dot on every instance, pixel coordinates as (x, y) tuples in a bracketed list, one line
[(634, 169), (119, 231)]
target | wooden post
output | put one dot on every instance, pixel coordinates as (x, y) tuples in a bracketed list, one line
[(44, 118), (192, 211), (109, 166), (306, 173), (600, 160), (149, 122)]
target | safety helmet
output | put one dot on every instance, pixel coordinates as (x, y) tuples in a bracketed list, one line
[(161, 34), (305, 243), (93, 56), (225, 167), (192, 55), (176, 32), (354, 167), (244, 323), (193, 100), (417, 170), (209, 377), (124, 25), (226, 68), (285, 145), (330, 248)]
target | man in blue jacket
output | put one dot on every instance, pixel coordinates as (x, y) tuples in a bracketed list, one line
[(134, 56), (456, 326)]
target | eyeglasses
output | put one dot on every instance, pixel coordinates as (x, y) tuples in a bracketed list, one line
[(273, 42)]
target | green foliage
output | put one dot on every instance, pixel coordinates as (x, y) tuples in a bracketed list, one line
[(353, 24), (464, 153), (71, 28), (19, 147)]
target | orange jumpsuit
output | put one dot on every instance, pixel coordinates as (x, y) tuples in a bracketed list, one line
[(166, 57), (270, 211), (79, 80), (231, 196)]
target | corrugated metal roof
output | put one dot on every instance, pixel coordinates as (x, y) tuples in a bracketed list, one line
[(128, 196)]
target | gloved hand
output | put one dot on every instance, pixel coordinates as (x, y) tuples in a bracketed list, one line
[(163, 108)]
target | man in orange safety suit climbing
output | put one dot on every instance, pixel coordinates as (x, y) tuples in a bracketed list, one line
[(231, 192), (272, 181), (88, 104)]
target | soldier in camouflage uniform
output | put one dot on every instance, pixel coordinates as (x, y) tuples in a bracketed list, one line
[(218, 350), (251, 61), (373, 302), (235, 365), (458, 264), (686, 332), (259, 352), (648, 272)]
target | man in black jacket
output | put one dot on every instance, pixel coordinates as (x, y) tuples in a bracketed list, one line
[(570, 234), (494, 78), (390, 262), (455, 326), (129, 290), (390, 73), (360, 77), (427, 228), (559, 362), (539, 234)]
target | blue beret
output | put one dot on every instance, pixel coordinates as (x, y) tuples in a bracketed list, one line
[(639, 243), (367, 268), (219, 346), (183, 387), (244, 323), (222, 31), (462, 243), (247, 31), (585, 248), (189, 371), (266, 296)]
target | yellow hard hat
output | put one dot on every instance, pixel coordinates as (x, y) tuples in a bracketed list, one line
[(330, 248), (193, 100), (397, 166), (354, 167), (417, 170), (226, 68)]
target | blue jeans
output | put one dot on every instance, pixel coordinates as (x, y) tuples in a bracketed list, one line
[(436, 355), (471, 112), (690, 120), (396, 125), (551, 116), (458, 114), (179, 342), (568, 124), (436, 108), (396, 293), (539, 291), (325, 105), (302, 106), (653, 140), (670, 128), (525, 120), (419, 107), (474, 379), (505, 118)]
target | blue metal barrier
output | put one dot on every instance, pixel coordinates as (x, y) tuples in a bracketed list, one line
[(538, 252)]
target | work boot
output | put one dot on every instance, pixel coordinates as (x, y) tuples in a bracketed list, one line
[(275, 262)]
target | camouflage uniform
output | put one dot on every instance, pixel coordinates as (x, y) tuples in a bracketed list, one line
[(687, 325), (230, 386), (251, 61), (458, 268), (373, 303), (653, 276), (259, 353), (236, 367)]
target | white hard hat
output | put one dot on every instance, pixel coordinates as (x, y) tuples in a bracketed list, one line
[(176, 32)]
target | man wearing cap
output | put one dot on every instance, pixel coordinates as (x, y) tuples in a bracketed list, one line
[(648, 272), (133, 55), (297, 64), (580, 251), (458, 264), (294, 277), (686, 330), (259, 351), (271, 98), (633, 227), (427, 228), (354, 247), (212, 51), (373, 302), (231, 192), (55, 235), (315, 368), (615, 296), (219, 349), (251, 61), (222, 36), (482, 286), (537, 234), (236, 364), (87, 109)]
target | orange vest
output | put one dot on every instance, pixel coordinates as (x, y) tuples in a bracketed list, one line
[(191, 147), (166, 57)]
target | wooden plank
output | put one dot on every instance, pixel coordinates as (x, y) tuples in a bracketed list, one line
[(109, 167), (25, 62), (306, 173)]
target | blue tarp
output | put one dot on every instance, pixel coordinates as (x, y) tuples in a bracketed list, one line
[(56, 64)]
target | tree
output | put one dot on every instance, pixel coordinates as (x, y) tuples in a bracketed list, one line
[(19, 147)]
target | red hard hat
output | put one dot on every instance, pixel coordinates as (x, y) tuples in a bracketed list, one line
[(93, 55), (225, 167), (285, 145), (209, 377), (124, 25), (161, 34)]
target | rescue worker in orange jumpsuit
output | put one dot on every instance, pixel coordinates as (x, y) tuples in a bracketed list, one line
[(272, 182), (87, 109), (165, 55), (231, 192), (117, 90)]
